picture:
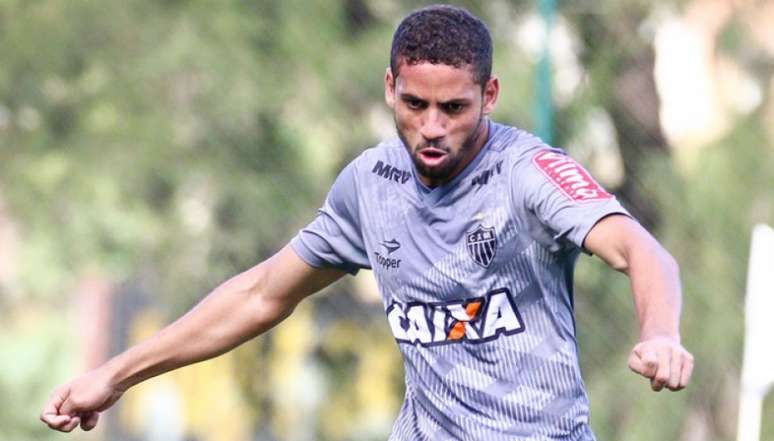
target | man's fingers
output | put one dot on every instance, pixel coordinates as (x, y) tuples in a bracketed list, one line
[(652, 365), (52, 418), (51, 414), (89, 420), (55, 421), (664, 361), (685, 375), (661, 377), (634, 362), (55, 400), (644, 362), (72, 406), (677, 365), (71, 425), (67, 408), (66, 423), (79, 403)]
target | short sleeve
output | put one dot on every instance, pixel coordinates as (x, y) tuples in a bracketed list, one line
[(334, 239), (563, 196)]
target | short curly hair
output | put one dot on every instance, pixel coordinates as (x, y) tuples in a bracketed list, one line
[(443, 34)]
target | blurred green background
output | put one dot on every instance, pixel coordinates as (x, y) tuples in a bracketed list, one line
[(151, 149)]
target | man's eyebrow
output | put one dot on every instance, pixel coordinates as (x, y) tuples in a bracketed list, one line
[(408, 96), (461, 101)]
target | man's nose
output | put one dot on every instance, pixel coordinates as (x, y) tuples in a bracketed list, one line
[(433, 125)]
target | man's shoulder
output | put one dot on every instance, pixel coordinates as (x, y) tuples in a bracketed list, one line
[(358, 176), (528, 161), (516, 146)]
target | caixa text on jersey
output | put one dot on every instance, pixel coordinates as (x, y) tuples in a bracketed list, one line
[(473, 320)]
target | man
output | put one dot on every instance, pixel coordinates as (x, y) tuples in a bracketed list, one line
[(472, 229)]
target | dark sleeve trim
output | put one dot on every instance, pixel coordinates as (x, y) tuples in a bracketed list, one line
[(582, 233)]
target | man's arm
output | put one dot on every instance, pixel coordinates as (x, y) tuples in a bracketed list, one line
[(236, 311), (627, 247)]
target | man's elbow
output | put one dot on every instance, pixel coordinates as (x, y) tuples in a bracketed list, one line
[(266, 308), (620, 265), (669, 263), (647, 251), (656, 255)]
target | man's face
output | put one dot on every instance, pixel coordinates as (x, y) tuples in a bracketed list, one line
[(439, 114)]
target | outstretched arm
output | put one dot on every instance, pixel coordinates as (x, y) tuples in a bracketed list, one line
[(627, 247), (236, 311)]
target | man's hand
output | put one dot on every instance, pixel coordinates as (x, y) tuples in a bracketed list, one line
[(80, 402), (664, 361)]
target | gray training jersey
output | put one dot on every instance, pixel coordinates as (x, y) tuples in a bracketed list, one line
[(476, 277)]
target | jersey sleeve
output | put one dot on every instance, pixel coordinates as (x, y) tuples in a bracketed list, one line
[(562, 195), (334, 238)]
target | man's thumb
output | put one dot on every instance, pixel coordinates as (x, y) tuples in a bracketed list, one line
[(635, 363), (68, 407)]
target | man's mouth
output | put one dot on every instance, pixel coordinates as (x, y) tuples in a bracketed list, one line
[(432, 156)]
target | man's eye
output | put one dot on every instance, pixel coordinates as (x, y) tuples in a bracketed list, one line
[(453, 107), (414, 104)]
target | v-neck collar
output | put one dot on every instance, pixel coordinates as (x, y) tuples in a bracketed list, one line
[(432, 196)]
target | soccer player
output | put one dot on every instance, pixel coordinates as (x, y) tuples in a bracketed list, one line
[(472, 229)]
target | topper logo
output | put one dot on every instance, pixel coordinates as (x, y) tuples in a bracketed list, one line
[(473, 320), (569, 177)]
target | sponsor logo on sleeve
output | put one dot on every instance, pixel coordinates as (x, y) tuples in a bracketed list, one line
[(473, 320), (569, 177)]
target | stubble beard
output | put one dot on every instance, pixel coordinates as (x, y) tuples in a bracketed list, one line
[(441, 174)]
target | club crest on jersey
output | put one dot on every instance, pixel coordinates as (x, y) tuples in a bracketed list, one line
[(569, 177), (473, 320), (482, 245)]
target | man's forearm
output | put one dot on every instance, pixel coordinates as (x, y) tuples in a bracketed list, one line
[(655, 282), (233, 313)]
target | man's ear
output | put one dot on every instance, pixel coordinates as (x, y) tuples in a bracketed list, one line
[(389, 88), (491, 92)]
